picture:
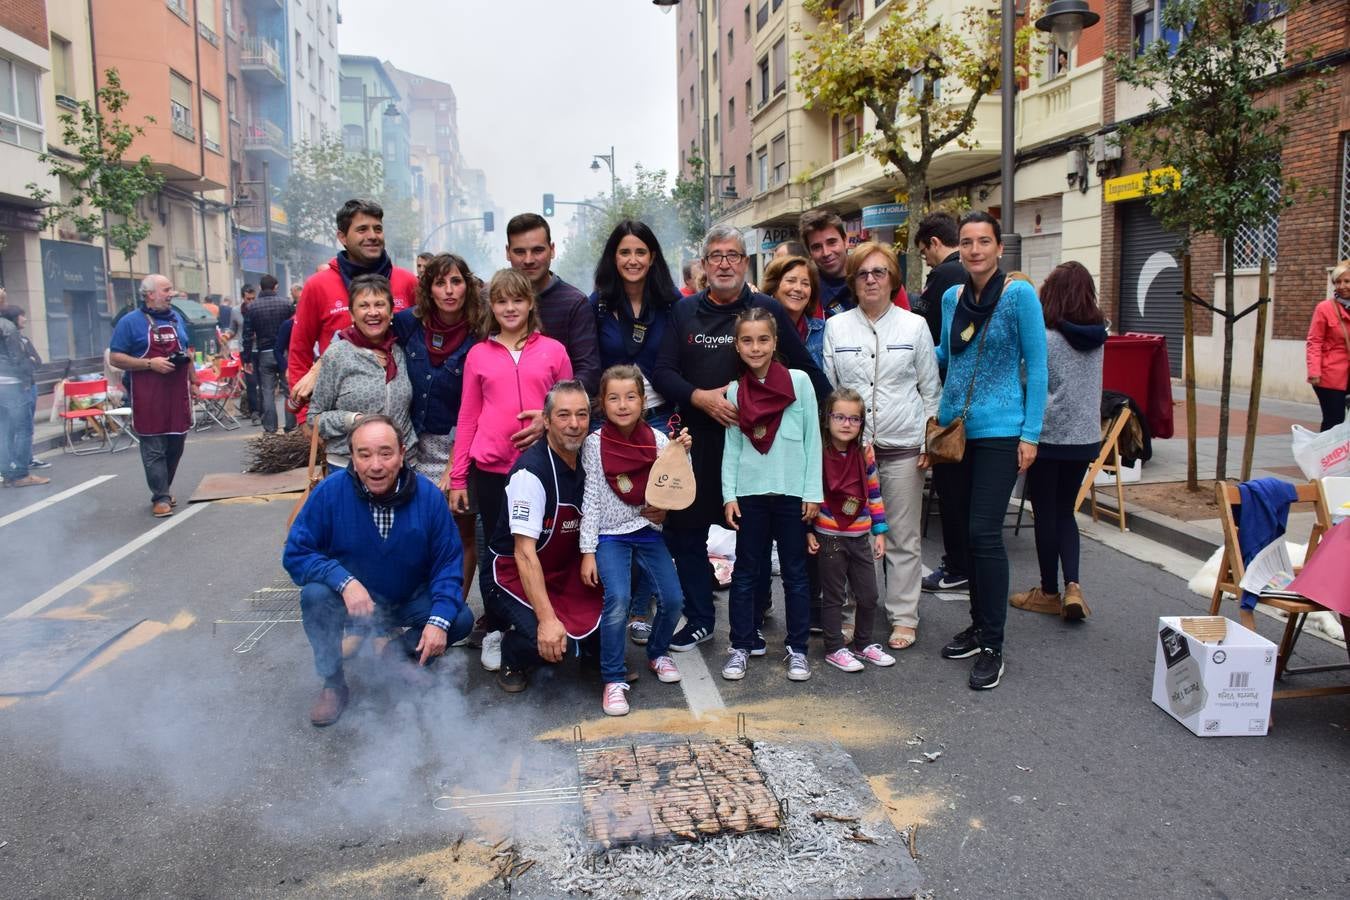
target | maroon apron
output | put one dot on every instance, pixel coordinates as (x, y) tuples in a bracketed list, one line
[(577, 605), (161, 404)]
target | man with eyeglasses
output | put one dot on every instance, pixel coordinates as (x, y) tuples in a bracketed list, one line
[(696, 363)]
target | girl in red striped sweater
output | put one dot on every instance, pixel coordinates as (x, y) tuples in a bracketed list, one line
[(850, 535)]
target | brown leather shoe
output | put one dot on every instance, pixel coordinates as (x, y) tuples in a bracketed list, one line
[(1037, 601), (161, 510), (328, 707), (1075, 607), (27, 481)]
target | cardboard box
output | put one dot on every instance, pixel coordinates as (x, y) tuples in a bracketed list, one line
[(1216, 688)]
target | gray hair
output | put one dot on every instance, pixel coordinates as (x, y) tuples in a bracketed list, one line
[(150, 283), (720, 233), (570, 386)]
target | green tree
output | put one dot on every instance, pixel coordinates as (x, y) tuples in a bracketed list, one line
[(646, 198), (688, 197), (105, 187), (323, 176), (921, 75), (1218, 120)]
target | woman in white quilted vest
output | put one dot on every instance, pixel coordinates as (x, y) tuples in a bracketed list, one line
[(886, 354)]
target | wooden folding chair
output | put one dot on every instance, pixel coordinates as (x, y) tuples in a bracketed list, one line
[(1108, 460), (82, 406), (1232, 570)]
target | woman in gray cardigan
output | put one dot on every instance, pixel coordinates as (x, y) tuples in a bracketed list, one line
[(363, 373), (1071, 436)]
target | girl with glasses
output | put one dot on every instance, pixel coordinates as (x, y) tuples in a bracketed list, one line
[(850, 534)]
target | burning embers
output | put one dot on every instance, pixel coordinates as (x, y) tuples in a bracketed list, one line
[(650, 793)]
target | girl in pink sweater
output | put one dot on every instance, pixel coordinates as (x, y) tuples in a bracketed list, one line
[(506, 378)]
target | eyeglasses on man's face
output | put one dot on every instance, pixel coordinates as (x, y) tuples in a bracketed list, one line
[(872, 274), (846, 420), (729, 258)]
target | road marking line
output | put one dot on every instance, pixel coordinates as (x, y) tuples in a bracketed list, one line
[(700, 690), (41, 602), (53, 500)]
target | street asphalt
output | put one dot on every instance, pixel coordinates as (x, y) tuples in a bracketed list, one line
[(170, 765)]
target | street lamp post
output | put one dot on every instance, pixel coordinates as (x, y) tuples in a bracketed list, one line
[(613, 175), (1065, 19), (390, 111), (667, 6)]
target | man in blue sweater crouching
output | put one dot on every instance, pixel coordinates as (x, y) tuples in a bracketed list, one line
[(376, 543)]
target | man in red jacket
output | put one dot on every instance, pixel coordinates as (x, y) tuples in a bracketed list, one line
[(322, 311)]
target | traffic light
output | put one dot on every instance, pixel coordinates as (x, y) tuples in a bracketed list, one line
[(548, 204), (487, 222)]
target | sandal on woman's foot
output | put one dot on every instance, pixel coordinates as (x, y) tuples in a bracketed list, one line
[(902, 637)]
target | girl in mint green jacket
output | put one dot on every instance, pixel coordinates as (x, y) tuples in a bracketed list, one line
[(771, 490)]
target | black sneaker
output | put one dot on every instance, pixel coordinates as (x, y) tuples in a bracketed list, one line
[(759, 647), (687, 638), (513, 681), (940, 580), (988, 669), (965, 644), (39, 464)]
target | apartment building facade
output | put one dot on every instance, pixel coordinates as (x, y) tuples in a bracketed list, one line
[(438, 193), (1141, 266), (25, 122), (798, 158)]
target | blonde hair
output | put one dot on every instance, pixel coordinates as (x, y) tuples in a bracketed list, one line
[(1340, 269)]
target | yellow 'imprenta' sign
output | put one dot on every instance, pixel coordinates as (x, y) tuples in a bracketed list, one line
[(1132, 187)]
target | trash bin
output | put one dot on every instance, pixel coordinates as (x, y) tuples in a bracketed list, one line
[(201, 324)]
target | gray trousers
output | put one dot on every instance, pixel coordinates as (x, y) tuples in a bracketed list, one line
[(901, 570), (269, 379)]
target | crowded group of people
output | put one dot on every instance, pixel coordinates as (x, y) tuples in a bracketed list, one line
[(518, 408)]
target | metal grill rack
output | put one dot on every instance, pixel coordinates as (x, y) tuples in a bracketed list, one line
[(652, 793)]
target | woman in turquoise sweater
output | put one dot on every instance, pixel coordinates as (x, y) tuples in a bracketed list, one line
[(993, 348), (771, 489)]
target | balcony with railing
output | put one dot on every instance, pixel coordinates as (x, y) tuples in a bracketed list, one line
[(260, 60), (262, 136), (180, 120)]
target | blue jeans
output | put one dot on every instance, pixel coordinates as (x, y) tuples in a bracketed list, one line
[(615, 560), (16, 432), (324, 615), (976, 496), (689, 549), (766, 518)]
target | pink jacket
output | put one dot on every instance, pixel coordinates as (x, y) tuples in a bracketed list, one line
[(1328, 358), (496, 390)]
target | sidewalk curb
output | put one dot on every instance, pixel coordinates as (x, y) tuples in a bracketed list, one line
[(1164, 529)]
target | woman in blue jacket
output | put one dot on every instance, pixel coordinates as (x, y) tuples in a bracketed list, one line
[(993, 348), (633, 296), (436, 335)]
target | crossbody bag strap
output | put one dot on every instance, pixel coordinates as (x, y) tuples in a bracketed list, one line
[(970, 388), (1345, 336)]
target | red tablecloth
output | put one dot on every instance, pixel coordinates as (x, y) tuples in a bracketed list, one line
[(1136, 365)]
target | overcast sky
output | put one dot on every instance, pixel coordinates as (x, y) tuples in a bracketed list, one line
[(542, 85)]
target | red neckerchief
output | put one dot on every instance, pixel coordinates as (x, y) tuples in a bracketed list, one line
[(627, 461), (803, 327), (845, 481), (443, 340), (760, 404), (353, 334)]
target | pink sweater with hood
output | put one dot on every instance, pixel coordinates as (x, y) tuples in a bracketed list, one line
[(496, 390)]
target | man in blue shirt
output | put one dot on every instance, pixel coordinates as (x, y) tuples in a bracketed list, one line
[(375, 543)]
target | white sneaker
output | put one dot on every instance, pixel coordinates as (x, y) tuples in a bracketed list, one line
[(734, 668), (613, 701), (798, 669), (492, 651)]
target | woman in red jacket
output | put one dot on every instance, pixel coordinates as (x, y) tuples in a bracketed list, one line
[(1329, 348)]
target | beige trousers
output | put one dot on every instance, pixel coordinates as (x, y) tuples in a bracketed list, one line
[(900, 572)]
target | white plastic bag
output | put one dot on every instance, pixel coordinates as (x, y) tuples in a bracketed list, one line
[(1320, 454)]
